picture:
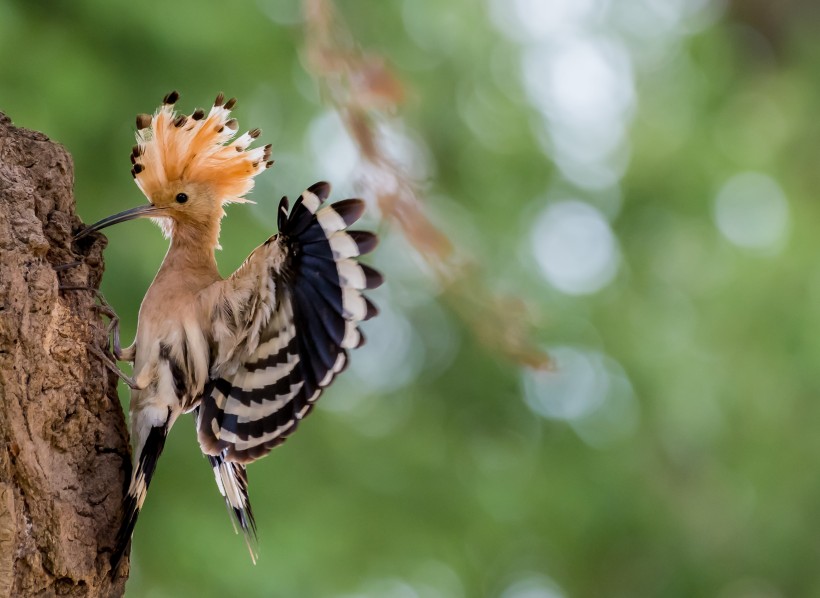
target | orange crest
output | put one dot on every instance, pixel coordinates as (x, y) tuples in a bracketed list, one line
[(196, 148)]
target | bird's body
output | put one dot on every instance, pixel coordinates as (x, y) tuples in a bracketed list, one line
[(250, 354), (173, 329), (170, 354)]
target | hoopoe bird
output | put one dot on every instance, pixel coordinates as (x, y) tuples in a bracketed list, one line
[(249, 355)]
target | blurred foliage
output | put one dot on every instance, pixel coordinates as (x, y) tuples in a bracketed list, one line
[(590, 155)]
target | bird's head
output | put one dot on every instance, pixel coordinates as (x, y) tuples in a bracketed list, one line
[(189, 166)]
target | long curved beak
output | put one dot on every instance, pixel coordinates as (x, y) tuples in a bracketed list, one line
[(140, 212)]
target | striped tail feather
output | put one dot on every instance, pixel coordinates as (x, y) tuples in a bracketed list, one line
[(319, 305), (232, 481), (141, 476)]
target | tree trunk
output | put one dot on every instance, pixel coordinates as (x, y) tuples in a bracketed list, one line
[(63, 440)]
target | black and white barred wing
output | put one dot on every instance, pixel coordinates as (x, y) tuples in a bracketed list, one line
[(311, 304)]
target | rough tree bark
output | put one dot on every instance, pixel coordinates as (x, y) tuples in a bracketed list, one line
[(63, 440)]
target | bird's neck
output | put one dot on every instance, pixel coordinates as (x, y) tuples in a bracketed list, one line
[(191, 255)]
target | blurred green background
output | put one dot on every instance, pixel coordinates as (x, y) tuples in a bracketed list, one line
[(642, 172)]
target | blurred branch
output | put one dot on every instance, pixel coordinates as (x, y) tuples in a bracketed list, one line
[(361, 89)]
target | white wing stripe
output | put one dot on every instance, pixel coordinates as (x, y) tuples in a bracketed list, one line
[(351, 274), (311, 201), (351, 338), (251, 413), (219, 398), (330, 221), (243, 445), (343, 246), (353, 303), (276, 344), (341, 359), (265, 377)]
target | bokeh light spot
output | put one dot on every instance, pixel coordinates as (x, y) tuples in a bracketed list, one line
[(751, 211), (335, 152), (589, 390), (393, 355), (533, 586), (577, 387), (575, 247), (543, 19), (584, 89)]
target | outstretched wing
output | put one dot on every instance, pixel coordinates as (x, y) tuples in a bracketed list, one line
[(282, 325)]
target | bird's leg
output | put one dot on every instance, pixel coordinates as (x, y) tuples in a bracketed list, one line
[(112, 332), (111, 365)]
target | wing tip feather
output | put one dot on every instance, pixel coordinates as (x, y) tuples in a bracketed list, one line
[(320, 190)]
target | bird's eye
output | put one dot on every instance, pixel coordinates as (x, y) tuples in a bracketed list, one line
[(182, 197)]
